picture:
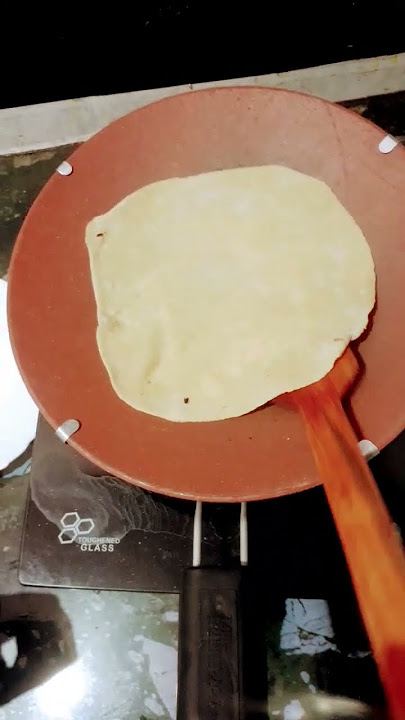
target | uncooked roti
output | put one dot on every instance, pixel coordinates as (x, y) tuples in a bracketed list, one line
[(217, 292)]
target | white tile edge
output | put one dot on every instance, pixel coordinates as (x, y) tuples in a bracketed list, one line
[(39, 127)]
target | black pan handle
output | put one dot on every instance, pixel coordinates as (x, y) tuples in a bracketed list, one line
[(210, 639)]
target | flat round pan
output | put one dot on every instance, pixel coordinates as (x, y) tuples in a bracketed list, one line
[(52, 310)]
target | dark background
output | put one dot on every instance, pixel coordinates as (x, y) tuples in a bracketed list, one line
[(68, 51)]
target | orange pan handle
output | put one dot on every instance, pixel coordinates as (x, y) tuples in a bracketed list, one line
[(371, 545)]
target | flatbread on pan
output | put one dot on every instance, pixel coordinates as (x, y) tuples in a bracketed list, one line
[(217, 292)]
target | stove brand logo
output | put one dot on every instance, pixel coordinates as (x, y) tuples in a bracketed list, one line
[(77, 530), (73, 526)]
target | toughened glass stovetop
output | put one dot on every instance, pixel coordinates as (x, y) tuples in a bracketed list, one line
[(86, 529)]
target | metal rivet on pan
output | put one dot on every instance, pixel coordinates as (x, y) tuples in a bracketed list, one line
[(368, 449), (64, 168), (387, 144), (67, 429)]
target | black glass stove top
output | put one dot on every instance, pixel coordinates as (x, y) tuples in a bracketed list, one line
[(88, 530), (85, 529)]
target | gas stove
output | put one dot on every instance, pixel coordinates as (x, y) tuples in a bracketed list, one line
[(86, 529)]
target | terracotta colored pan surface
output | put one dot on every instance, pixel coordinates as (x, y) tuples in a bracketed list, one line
[(52, 311)]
